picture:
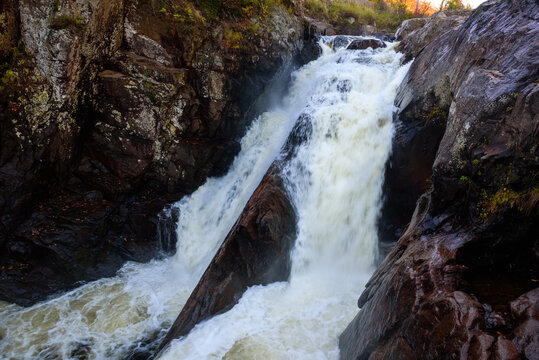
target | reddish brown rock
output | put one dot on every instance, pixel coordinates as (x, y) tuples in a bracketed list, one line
[(505, 350), (255, 252)]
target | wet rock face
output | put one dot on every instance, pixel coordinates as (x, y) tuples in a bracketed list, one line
[(121, 99), (459, 283), (79, 235), (420, 304), (255, 252), (419, 127)]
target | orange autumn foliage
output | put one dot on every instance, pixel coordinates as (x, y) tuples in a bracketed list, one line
[(420, 7)]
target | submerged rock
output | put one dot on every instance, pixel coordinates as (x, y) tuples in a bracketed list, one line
[(255, 252), (459, 281)]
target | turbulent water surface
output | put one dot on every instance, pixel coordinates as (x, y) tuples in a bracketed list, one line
[(344, 101)]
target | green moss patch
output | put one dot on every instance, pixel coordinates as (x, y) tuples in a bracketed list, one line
[(63, 21), (506, 197), (16, 74)]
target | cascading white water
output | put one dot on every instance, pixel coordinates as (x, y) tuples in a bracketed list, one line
[(334, 180), (107, 319), (347, 97)]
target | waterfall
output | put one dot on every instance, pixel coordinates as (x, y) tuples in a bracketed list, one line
[(334, 180), (344, 100)]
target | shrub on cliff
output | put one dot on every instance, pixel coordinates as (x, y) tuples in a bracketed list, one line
[(244, 17)]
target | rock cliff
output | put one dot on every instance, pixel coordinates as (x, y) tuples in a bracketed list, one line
[(461, 282), (110, 110), (418, 132)]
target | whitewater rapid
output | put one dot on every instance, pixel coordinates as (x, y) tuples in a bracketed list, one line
[(334, 180), (345, 100)]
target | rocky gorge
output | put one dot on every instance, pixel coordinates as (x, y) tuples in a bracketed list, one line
[(113, 110), (461, 282)]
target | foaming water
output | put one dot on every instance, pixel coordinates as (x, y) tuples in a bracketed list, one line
[(334, 179), (114, 317)]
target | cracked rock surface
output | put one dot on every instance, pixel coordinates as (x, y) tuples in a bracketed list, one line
[(461, 282)]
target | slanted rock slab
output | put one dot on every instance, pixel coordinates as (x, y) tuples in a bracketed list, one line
[(255, 252)]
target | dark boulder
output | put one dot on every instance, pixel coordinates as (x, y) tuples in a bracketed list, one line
[(79, 235), (340, 41), (255, 252), (385, 37), (361, 44), (454, 284), (351, 42)]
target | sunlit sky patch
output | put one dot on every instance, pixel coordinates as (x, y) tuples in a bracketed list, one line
[(473, 3)]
